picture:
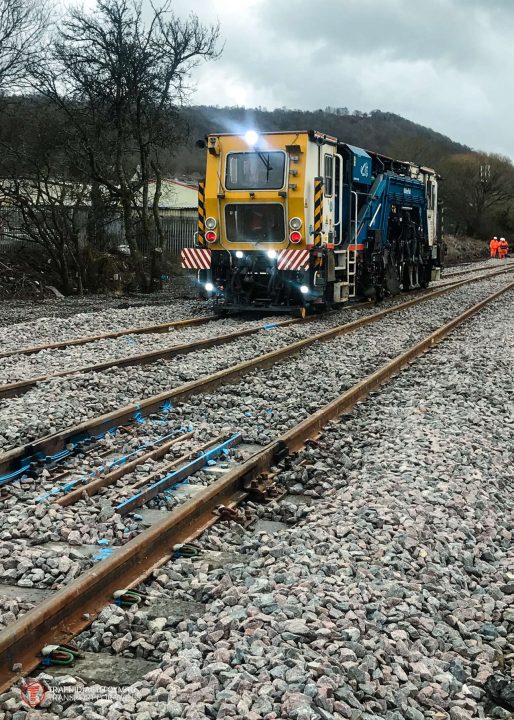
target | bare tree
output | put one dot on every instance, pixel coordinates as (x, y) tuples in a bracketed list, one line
[(120, 80), (47, 213), (22, 25), (476, 187), (44, 199)]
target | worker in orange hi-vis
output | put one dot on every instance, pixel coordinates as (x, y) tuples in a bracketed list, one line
[(503, 249), (493, 245)]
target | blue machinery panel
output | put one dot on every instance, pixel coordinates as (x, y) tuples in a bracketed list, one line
[(361, 166), (388, 190)]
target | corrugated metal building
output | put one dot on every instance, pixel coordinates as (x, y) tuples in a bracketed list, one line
[(177, 209)]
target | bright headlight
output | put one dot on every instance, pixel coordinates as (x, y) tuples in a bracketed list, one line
[(251, 137), (304, 289), (209, 287), (272, 254), (295, 223), (239, 254)]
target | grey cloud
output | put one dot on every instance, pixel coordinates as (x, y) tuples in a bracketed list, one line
[(444, 31), (447, 64)]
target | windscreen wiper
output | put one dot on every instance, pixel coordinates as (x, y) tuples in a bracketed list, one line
[(267, 165)]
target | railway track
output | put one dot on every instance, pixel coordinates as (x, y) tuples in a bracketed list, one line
[(53, 448), (146, 329), (69, 485), (138, 330), (59, 618), (458, 273), (15, 389)]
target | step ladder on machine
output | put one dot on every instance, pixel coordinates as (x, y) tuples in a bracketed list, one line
[(346, 264), (352, 270), (341, 286), (352, 251)]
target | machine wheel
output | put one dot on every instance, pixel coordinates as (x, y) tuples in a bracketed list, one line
[(415, 275), (410, 276), (424, 276), (392, 277)]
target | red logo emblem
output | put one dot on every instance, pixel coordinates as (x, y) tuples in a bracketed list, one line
[(32, 692)]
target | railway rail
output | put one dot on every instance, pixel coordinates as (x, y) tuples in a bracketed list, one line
[(146, 329), (65, 614), (15, 389), (21, 460), (467, 271)]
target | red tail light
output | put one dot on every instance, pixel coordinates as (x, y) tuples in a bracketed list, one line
[(210, 236), (295, 237)]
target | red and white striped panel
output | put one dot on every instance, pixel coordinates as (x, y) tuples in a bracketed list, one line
[(293, 260), (195, 258)]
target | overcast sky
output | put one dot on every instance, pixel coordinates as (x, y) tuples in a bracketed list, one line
[(447, 64)]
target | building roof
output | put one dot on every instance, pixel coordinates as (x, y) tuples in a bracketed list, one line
[(174, 194)]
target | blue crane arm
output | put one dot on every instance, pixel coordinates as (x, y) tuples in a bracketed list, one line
[(388, 190)]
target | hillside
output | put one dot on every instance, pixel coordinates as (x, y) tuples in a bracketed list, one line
[(383, 132)]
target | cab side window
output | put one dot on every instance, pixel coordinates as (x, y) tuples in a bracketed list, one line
[(430, 194), (329, 174)]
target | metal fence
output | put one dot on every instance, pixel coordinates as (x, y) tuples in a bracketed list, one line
[(178, 228), (12, 237)]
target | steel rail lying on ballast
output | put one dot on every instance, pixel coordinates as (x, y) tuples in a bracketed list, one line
[(143, 330), (111, 472), (19, 460), (22, 386), (19, 387), (59, 618), (15, 389), (468, 271), (97, 484)]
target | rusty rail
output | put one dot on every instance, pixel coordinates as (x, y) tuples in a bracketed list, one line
[(51, 444), (471, 270), (62, 616), (15, 389), (97, 484), (160, 328), (20, 387)]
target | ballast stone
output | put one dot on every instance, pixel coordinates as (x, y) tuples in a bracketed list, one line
[(379, 569)]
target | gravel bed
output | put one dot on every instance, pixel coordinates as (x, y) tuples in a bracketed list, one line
[(90, 521), (16, 310), (27, 566), (56, 329), (21, 367), (452, 277), (389, 596), (62, 402), (10, 609), (261, 406), (58, 320), (479, 265)]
